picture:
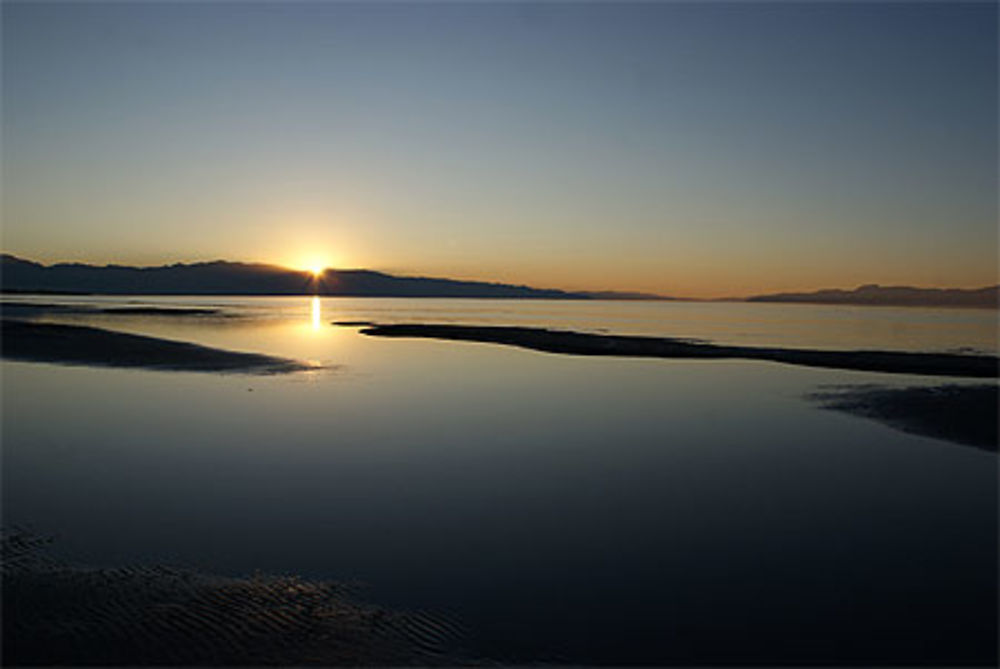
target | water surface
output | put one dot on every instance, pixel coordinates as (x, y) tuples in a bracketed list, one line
[(564, 508)]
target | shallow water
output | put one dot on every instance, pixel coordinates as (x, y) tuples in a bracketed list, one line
[(751, 324), (564, 508)]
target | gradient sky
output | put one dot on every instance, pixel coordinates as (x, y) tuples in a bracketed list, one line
[(683, 148)]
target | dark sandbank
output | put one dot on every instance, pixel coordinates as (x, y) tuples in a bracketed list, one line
[(354, 324), (160, 311), (38, 308), (580, 343), (42, 291), (80, 345), (961, 414), (34, 308), (67, 615)]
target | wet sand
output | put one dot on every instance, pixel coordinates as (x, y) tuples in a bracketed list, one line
[(580, 343), (81, 345), (961, 414), (67, 615)]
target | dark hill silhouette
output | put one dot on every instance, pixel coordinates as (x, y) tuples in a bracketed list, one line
[(904, 296), (234, 278), (626, 295)]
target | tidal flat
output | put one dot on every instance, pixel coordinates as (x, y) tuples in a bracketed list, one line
[(64, 614)]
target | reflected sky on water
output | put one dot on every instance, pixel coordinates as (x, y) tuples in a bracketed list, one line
[(566, 508)]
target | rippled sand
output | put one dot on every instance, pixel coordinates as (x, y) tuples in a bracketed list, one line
[(61, 614)]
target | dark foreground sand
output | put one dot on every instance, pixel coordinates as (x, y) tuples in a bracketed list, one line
[(579, 343), (960, 414), (80, 345), (62, 614)]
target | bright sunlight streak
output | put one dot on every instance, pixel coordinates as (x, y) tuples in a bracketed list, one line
[(316, 313)]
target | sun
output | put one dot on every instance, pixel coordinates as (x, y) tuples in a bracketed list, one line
[(317, 263), (316, 266)]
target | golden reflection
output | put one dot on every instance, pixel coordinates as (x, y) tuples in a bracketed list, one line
[(316, 313)]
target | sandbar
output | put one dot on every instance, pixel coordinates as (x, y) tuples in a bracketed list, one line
[(82, 345), (582, 343), (160, 311), (963, 414), (33, 308)]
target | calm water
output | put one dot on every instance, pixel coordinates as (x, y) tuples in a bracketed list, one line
[(564, 508)]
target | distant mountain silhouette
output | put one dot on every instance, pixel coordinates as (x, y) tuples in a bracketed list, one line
[(625, 295), (233, 278), (906, 296)]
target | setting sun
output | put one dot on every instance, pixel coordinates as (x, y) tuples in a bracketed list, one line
[(315, 265)]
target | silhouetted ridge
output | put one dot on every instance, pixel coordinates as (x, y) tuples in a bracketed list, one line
[(220, 277), (903, 296)]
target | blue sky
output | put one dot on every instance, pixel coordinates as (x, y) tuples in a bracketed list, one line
[(695, 148)]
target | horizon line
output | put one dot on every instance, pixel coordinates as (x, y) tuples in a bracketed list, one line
[(638, 294)]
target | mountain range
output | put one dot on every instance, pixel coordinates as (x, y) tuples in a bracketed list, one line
[(234, 278), (900, 296), (221, 277)]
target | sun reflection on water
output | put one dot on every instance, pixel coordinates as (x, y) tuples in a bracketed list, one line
[(316, 313)]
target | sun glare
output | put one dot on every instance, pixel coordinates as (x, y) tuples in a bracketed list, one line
[(316, 314), (317, 265)]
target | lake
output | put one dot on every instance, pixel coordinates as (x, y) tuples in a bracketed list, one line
[(562, 508)]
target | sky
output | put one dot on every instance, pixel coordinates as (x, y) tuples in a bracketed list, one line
[(683, 148)]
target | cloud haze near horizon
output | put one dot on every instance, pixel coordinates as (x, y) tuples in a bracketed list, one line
[(678, 148)]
